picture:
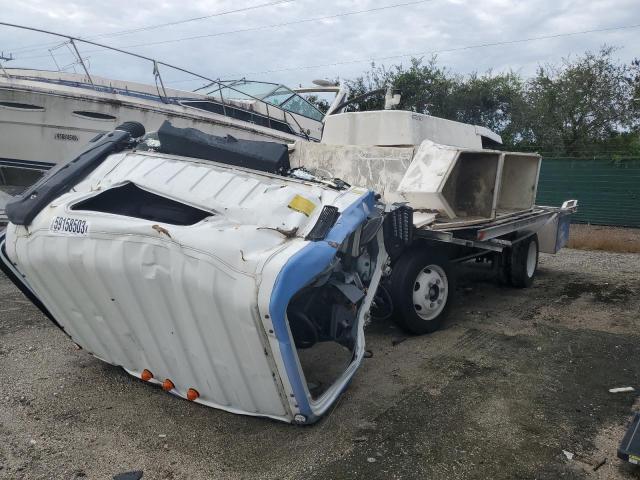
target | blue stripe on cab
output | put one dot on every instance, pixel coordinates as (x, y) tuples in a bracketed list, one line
[(300, 270)]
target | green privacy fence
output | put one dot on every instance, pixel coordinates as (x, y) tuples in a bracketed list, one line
[(607, 190)]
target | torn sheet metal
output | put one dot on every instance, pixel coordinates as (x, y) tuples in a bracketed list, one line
[(198, 296), (378, 168), (451, 181)]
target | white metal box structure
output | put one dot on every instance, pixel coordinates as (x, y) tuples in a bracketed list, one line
[(398, 128), (518, 181), (470, 184), (213, 294), (457, 183)]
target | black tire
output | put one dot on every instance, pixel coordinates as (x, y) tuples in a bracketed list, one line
[(404, 278), (523, 268), (502, 267)]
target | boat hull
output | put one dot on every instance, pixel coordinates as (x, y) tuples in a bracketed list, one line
[(48, 118), (56, 131)]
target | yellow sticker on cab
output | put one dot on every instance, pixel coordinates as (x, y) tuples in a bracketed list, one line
[(302, 205)]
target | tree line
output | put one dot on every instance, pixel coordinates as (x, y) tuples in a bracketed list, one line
[(584, 106)]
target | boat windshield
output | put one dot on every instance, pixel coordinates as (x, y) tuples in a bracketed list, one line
[(272, 93)]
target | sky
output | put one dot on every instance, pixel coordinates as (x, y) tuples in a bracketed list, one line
[(321, 39)]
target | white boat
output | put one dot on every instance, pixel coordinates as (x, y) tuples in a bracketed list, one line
[(48, 117)]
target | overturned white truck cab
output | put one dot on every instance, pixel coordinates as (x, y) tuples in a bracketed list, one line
[(214, 274)]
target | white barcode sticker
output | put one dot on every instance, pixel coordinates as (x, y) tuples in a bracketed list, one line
[(69, 226)]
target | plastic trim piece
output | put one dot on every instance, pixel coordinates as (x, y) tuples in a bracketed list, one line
[(263, 156), (327, 219), (23, 210)]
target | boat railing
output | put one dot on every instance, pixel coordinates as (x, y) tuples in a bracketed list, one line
[(220, 85)]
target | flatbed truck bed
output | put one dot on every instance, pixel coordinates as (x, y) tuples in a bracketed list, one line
[(420, 284)]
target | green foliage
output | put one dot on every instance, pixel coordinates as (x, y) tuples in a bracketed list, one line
[(580, 103), (584, 106), (634, 78), (320, 103), (374, 79), (425, 88), (492, 100)]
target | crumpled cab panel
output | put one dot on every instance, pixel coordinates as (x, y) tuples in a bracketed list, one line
[(236, 289)]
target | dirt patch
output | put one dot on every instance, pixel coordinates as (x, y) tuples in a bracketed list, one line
[(498, 415), (599, 292), (609, 239)]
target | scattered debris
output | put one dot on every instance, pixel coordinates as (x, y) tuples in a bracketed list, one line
[(287, 233), (371, 460), (629, 449), (161, 230), (595, 464), (621, 390), (599, 464), (134, 475), (368, 354), (360, 439)]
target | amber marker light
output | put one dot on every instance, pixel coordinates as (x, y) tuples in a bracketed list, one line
[(146, 375), (168, 385), (192, 394)]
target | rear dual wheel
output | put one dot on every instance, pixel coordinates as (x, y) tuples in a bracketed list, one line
[(516, 266), (524, 262)]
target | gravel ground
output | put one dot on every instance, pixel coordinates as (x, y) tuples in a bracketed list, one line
[(514, 378)]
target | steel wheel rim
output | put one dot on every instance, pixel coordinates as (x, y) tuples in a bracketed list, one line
[(430, 290), (531, 259)]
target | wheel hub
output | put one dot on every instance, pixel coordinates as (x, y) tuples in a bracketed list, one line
[(434, 292), (430, 292)]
